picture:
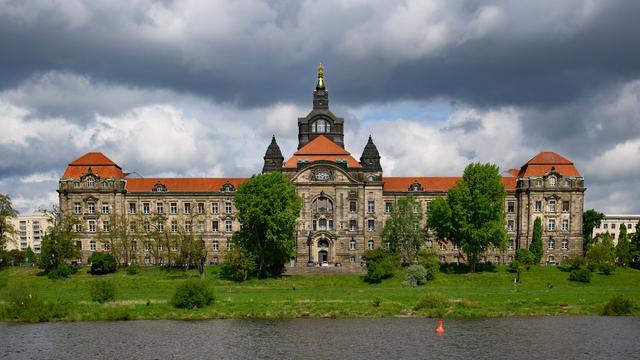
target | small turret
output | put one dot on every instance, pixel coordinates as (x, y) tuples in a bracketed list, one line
[(273, 158), (370, 159), (320, 94)]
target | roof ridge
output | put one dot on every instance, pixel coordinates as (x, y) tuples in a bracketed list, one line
[(322, 145)]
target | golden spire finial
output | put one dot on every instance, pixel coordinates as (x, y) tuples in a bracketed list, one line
[(320, 77)]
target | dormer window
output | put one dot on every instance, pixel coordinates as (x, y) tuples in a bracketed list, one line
[(552, 181), (415, 186), (105, 184), (567, 183), (90, 183), (538, 183), (227, 187), (321, 126), (158, 187)]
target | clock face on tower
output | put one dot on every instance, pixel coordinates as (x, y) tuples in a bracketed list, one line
[(323, 175)]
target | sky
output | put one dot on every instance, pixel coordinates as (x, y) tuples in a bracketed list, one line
[(196, 88)]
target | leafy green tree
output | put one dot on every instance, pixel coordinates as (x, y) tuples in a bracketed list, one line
[(590, 219), (472, 214), (601, 254), (59, 243), (429, 259), (623, 251), (381, 264), (238, 264), (6, 228), (102, 263), (402, 229), (29, 256), (268, 209), (120, 239), (536, 242)]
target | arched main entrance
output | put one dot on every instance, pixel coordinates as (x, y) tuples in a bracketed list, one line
[(321, 250)]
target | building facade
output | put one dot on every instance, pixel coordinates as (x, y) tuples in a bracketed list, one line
[(611, 224), (30, 230), (346, 200)]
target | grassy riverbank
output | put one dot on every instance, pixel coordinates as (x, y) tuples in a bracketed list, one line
[(488, 294)]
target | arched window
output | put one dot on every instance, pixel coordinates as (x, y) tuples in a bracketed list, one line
[(352, 244), (321, 126), (322, 224), (551, 260), (565, 244), (370, 244), (323, 243), (552, 181), (322, 204), (552, 243)]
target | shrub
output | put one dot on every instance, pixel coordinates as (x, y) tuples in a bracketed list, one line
[(515, 266), (192, 294), (580, 275), (415, 275), (573, 263), (102, 291), (607, 269), (102, 263), (61, 271), (133, 270), (430, 260), (376, 302), (380, 265), (238, 265), (432, 300), (525, 257), (618, 305)]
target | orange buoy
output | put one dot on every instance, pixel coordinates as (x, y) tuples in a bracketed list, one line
[(440, 329)]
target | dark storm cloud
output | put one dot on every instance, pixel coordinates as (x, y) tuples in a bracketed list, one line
[(267, 57)]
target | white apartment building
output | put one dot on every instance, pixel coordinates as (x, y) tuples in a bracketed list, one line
[(611, 223)]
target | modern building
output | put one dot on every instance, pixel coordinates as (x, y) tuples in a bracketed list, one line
[(30, 230), (346, 200), (611, 224)]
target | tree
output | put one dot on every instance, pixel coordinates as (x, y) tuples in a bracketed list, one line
[(536, 242), (402, 229), (623, 252), (472, 214), (268, 208), (6, 228), (59, 243), (238, 264), (590, 219), (601, 253), (119, 239)]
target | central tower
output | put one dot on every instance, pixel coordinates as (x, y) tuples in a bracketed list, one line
[(320, 120)]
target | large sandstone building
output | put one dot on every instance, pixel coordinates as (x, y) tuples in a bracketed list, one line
[(346, 200)]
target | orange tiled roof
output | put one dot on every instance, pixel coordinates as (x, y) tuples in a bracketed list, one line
[(97, 162), (321, 148), (439, 183), (544, 161), (182, 184)]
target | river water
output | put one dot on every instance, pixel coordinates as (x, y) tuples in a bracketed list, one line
[(505, 338)]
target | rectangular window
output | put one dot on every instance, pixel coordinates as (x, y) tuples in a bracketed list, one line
[(174, 226), (215, 245), (371, 206), (565, 225), (613, 226), (78, 227), (565, 206), (200, 208), (105, 226), (145, 208), (371, 225), (173, 208), (132, 208), (214, 208), (538, 206), (353, 206), (92, 226), (77, 208), (160, 226), (187, 208), (92, 245), (228, 225), (442, 246), (132, 227), (552, 206), (353, 225), (510, 225), (551, 224), (510, 244), (388, 207), (160, 208), (606, 226), (91, 207), (416, 208), (187, 226), (227, 208), (214, 226), (105, 207), (201, 225), (511, 207)]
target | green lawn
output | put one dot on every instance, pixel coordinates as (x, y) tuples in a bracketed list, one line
[(487, 294)]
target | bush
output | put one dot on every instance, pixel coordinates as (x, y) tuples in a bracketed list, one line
[(380, 265), (618, 305), (238, 265), (61, 271), (430, 260), (607, 269), (525, 257), (102, 291), (573, 263), (415, 275), (432, 300), (192, 294), (580, 275), (515, 266), (133, 270), (102, 263)]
